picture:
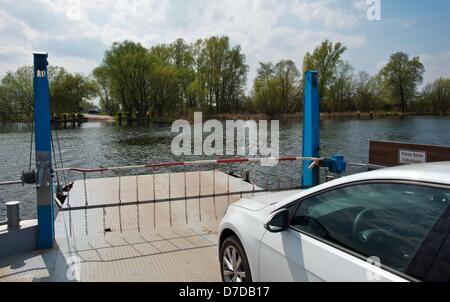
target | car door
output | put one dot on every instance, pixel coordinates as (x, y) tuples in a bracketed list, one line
[(360, 232)]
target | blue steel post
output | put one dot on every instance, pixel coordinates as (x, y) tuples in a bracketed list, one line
[(43, 152), (311, 132)]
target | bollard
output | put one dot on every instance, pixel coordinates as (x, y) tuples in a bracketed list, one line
[(13, 214)]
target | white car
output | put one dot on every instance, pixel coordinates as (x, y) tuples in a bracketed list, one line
[(386, 225)]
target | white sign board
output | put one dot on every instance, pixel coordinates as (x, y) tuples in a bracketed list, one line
[(412, 157)]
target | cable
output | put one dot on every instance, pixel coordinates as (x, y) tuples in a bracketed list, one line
[(31, 146), (55, 163), (60, 155)]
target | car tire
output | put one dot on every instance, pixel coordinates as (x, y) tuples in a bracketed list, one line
[(234, 268)]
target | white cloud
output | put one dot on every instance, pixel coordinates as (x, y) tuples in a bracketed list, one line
[(436, 66), (77, 32), (361, 5), (326, 13)]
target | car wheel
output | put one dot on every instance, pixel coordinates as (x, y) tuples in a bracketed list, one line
[(233, 261)]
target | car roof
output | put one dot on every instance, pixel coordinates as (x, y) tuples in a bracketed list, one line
[(438, 172)]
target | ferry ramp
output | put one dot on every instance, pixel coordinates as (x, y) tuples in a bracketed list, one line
[(118, 233)]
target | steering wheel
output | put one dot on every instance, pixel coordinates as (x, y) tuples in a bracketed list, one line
[(360, 218)]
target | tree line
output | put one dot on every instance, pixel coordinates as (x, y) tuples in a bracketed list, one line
[(210, 75), (68, 93)]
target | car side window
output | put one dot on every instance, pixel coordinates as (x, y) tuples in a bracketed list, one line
[(388, 221)]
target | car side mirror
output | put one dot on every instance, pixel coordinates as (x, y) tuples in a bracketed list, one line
[(278, 221)]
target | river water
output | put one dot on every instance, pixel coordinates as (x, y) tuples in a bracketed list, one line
[(104, 144)]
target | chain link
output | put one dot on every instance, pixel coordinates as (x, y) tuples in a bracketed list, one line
[(86, 204), (154, 201), (185, 195), (200, 194), (70, 214), (120, 204), (170, 197), (137, 207), (214, 194)]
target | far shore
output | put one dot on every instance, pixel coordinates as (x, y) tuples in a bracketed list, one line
[(99, 118), (323, 115), (255, 116)]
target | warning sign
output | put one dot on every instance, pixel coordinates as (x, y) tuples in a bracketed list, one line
[(412, 157)]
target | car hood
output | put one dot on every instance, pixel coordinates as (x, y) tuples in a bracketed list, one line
[(263, 200)]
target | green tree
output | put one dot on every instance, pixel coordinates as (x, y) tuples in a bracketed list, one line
[(422, 102), (183, 59), (17, 93), (164, 93), (340, 91), (276, 88), (68, 92), (196, 96), (102, 81), (222, 71), (435, 98), (178, 55), (402, 75), (325, 59), (367, 92), (130, 67)]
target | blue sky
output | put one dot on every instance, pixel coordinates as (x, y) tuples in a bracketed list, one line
[(76, 32)]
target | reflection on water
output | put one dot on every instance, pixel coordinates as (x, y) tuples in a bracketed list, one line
[(103, 144)]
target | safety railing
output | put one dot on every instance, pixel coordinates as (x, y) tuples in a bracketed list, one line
[(203, 189), (188, 191)]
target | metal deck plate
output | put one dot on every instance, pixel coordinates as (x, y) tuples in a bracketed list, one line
[(161, 251)]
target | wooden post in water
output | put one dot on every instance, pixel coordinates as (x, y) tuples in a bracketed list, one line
[(128, 118), (55, 120), (119, 118)]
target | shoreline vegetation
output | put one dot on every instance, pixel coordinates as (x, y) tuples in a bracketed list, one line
[(87, 118), (171, 81)]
